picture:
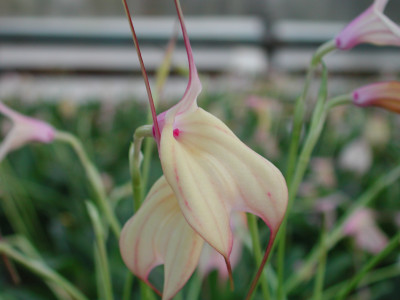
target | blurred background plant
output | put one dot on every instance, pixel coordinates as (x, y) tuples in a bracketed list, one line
[(88, 84)]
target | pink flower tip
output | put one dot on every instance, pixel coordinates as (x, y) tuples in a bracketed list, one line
[(382, 94), (371, 27), (24, 130)]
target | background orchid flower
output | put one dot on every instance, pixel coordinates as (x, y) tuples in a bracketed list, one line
[(24, 130), (368, 236), (382, 94), (372, 26)]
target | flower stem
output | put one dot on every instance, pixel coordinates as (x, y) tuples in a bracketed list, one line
[(317, 124), (128, 286), (319, 279), (144, 73), (300, 107), (322, 50), (101, 250), (42, 270), (137, 187), (393, 244), (337, 232), (295, 175), (134, 163), (255, 239), (298, 121), (94, 178)]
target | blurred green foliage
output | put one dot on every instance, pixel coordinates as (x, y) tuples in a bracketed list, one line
[(43, 191)]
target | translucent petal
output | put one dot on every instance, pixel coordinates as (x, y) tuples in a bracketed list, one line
[(213, 173), (158, 234)]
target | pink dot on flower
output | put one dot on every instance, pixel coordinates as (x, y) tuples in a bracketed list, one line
[(356, 95), (176, 132)]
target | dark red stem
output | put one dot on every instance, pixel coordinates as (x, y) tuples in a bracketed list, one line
[(261, 268), (192, 67), (144, 73), (229, 267)]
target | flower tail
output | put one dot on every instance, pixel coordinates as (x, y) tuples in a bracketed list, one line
[(262, 265), (229, 268)]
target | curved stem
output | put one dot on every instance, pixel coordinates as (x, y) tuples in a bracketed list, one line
[(94, 178), (322, 50), (300, 106), (310, 142), (134, 163), (338, 101)]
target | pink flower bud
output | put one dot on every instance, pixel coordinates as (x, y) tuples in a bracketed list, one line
[(372, 27), (382, 94)]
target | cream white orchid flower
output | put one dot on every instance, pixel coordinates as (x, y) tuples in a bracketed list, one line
[(24, 130), (209, 174)]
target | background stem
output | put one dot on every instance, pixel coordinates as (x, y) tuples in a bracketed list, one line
[(94, 178)]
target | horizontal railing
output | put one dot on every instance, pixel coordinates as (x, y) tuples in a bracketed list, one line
[(66, 56), (220, 44)]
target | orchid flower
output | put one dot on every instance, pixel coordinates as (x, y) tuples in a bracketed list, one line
[(372, 26), (209, 174), (24, 130), (382, 94)]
